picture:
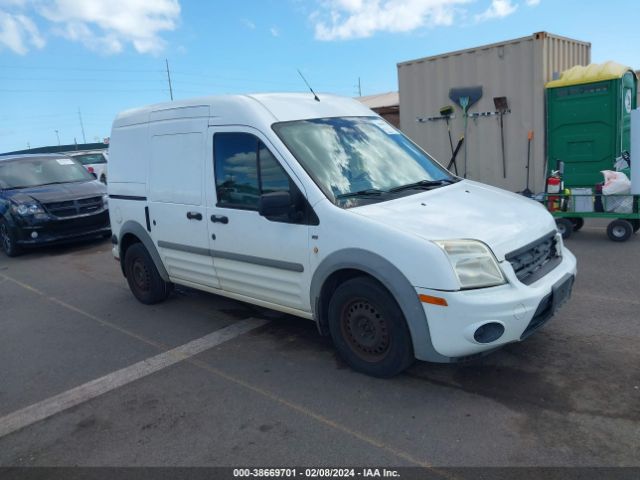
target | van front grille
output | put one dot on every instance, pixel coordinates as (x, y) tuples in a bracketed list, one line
[(535, 260)]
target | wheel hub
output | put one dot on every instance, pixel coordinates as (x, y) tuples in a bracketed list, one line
[(140, 275), (366, 330), (619, 231)]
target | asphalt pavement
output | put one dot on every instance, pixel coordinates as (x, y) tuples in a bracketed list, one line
[(91, 377)]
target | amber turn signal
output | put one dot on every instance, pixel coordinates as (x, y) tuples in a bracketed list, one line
[(433, 300)]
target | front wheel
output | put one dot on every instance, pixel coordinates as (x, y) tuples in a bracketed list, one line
[(143, 277), (368, 328), (8, 240)]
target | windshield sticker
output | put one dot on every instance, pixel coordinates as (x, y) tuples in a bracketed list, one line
[(385, 127), (64, 161)]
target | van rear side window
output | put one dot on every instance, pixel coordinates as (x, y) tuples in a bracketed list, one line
[(245, 169)]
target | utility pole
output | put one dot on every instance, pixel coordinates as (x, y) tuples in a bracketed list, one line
[(58, 135), (28, 145), (169, 79), (359, 88), (84, 139)]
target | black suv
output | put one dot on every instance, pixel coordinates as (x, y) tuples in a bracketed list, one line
[(49, 199)]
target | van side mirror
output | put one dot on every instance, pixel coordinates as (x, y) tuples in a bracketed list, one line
[(275, 204)]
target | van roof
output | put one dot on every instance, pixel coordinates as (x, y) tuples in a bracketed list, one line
[(244, 109)]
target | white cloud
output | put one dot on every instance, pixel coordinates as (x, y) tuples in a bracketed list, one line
[(274, 32), (248, 23), (532, 3), (344, 19), (108, 25), (18, 33), (497, 9)]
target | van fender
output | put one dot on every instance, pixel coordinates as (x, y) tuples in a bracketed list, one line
[(394, 281), (134, 228)]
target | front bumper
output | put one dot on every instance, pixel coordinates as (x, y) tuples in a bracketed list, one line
[(60, 230), (520, 309)]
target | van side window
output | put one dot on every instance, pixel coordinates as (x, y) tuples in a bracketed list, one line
[(245, 169)]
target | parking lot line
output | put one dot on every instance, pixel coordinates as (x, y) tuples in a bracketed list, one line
[(204, 366), (83, 393), (101, 321)]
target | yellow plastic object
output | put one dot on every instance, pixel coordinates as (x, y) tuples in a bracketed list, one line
[(596, 72)]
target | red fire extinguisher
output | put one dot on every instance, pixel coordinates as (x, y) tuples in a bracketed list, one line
[(554, 185)]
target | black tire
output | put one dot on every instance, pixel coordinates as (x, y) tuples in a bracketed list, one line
[(636, 224), (578, 223), (368, 328), (620, 230), (8, 240), (565, 227), (145, 282)]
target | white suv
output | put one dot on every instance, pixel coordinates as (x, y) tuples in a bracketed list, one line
[(323, 210)]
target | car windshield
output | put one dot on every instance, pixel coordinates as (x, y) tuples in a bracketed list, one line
[(32, 172), (90, 158), (356, 160)]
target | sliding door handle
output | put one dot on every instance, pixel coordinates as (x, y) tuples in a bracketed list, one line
[(220, 219), (194, 215)]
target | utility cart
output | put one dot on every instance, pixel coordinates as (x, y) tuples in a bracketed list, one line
[(571, 210)]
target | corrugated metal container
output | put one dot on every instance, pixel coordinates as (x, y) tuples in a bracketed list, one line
[(517, 69)]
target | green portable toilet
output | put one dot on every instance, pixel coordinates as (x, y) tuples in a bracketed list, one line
[(589, 120)]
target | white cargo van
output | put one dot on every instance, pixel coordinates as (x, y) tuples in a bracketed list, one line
[(323, 210)]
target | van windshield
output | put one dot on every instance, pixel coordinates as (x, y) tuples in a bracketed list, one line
[(358, 160)]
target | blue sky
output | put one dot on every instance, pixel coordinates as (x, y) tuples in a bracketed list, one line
[(103, 56)]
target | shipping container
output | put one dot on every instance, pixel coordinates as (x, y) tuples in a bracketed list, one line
[(516, 69)]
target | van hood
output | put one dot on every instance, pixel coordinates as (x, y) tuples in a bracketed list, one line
[(57, 193), (503, 220)]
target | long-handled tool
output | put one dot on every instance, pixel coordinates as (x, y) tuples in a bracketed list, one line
[(454, 154), (446, 112), (502, 108), (465, 97), (527, 192)]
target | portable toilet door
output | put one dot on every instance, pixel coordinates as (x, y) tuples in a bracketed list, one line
[(629, 85), (588, 120)]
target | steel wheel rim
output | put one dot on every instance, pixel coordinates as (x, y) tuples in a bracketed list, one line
[(6, 241), (140, 275), (365, 329)]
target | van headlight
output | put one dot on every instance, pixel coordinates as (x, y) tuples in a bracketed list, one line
[(473, 262)]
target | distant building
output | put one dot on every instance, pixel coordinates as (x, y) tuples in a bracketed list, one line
[(387, 105)]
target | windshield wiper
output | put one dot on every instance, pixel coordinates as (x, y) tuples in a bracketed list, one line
[(422, 184), (369, 192)]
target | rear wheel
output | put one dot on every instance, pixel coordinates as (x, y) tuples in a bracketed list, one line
[(8, 240), (565, 227), (368, 328), (636, 224), (143, 277), (620, 230)]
